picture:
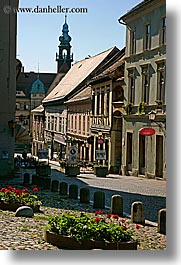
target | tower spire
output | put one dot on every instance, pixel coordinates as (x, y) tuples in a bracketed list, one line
[(38, 76), (64, 58)]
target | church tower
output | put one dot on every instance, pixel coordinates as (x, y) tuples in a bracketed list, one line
[(64, 58)]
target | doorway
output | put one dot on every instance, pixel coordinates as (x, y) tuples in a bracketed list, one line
[(129, 151), (159, 156), (142, 154)]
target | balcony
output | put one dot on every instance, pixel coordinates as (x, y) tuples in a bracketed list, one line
[(100, 123)]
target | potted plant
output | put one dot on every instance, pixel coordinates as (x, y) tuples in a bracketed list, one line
[(84, 231), (100, 170), (72, 170), (128, 108), (141, 108), (12, 198)]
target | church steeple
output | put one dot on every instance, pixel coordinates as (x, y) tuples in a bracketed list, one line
[(64, 58)]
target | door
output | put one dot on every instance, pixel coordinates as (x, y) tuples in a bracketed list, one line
[(159, 156), (129, 151), (142, 154)]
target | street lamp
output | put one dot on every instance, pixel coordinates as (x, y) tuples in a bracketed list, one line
[(152, 115)]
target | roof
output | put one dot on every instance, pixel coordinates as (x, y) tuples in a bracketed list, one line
[(37, 87), (55, 82), (26, 79), (79, 72), (83, 95), (119, 61), (40, 108), (142, 5)]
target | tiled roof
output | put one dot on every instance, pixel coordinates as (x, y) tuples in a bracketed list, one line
[(79, 72), (83, 95)]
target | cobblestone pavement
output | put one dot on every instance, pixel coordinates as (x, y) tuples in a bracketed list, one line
[(149, 191), (20, 233)]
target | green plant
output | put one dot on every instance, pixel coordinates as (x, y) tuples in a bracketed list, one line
[(128, 108), (110, 228), (141, 107), (23, 197)]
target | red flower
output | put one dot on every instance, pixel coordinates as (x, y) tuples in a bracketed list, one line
[(97, 219), (35, 189), (137, 226), (109, 215), (24, 190), (116, 216), (123, 221)]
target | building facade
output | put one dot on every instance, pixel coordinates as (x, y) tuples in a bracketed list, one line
[(79, 124), (106, 128), (8, 32), (145, 94)]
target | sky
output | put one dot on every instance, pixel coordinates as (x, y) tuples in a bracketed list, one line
[(91, 32)]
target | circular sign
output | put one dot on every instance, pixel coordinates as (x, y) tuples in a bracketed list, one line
[(72, 151), (100, 141), (147, 131)]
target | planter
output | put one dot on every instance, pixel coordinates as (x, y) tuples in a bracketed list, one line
[(66, 242), (14, 206), (101, 171), (72, 171), (43, 170)]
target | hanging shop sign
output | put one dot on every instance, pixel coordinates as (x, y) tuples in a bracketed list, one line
[(100, 141), (147, 131)]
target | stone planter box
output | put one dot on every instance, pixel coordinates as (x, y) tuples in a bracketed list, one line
[(65, 242), (101, 171), (43, 170), (72, 171), (14, 206)]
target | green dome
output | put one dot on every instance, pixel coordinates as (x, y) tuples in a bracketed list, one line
[(38, 87)]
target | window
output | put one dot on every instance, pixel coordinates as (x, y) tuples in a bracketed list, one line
[(79, 123), (161, 81), (52, 123), (63, 125), (108, 100), (55, 126), (84, 124), (102, 102), (147, 44), (72, 122), (98, 103), (48, 125), (133, 42), (131, 86), (60, 124), (17, 106), (75, 127), (145, 84), (163, 31)]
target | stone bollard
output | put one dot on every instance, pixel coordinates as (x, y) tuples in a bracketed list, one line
[(162, 221), (54, 186), (73, 192), (117, 205), (46, 182), (84, 195), (138, 212), (26, 178), (63, 188), (99, 200)]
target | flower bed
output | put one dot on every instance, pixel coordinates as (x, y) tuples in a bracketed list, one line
[(12, 198), (83, 231)]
